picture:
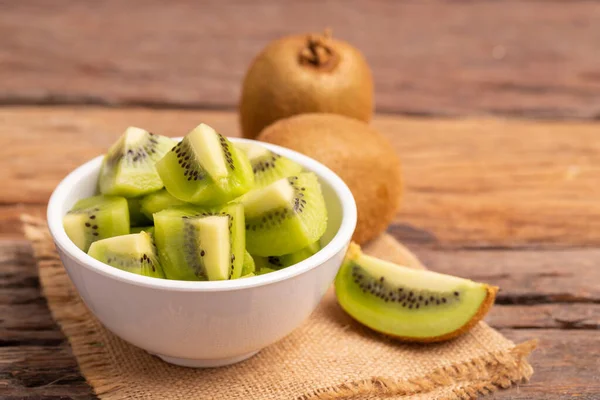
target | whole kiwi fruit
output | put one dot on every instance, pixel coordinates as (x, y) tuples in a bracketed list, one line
[(305, 74), (359, 154)]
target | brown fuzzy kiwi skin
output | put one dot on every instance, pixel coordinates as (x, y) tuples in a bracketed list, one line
[(280, 84), (360, 155), (354, 251)]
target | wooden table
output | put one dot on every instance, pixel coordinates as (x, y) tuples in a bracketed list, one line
[(492, 192)]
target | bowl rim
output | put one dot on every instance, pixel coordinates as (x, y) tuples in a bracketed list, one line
[(337, 244)]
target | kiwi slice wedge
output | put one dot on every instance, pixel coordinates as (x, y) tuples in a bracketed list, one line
[(413, 305), (137, 229), (205, 169), (158, 201), (201, 243), (279, 262), (267, 166), (128, 167), (285, 216), (248, 267), (134, 253), (96, 218)]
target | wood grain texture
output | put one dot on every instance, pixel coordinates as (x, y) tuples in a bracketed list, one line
[(35, 361), (566, 366), (475, 183), (513, 203), (523, 58)]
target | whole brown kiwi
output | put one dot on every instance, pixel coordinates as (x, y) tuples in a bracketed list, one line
[(359, 154), (303, 74)]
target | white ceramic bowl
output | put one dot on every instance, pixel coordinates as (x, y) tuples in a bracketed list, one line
[(204, 324)]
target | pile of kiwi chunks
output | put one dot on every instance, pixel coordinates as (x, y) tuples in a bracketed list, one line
[(314, 94), (200, 209), (207, 209)]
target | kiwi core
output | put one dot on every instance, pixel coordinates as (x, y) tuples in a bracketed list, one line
[(277, 195), (206, 146)]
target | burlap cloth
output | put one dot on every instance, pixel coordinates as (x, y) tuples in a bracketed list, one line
[(329, 357)]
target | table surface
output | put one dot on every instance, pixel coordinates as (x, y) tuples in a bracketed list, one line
[(490, 105)]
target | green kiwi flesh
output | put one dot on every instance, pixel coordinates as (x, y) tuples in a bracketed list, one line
[(248, 267), (128, 169), (134, 253), (279, 262), (137, 229), (205, 169), (267, 166), (415, 305), (201, 243), (96, 218), (285, 216), (136, 217), (158, 201)]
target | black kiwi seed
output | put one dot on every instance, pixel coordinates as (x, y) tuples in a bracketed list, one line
[(88, 224), (202, 253), (94, 217), (456, 294)]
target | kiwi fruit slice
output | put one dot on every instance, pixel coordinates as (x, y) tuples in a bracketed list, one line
[(267, 166), (96, 218), (285, 216), (205, 169), (158, 201), (358, 153), (248, 267), (136, 217), (279, 262), (128, 167), (134, 253), (413, 305), (309, 73), (137, 229), (201, 243)]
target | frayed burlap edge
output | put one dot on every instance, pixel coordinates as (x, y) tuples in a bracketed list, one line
[(479, 376), (483, 375)]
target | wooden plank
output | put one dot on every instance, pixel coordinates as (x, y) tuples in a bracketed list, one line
[(35, 362), (468, 183), (524, 58), (566, 366), (546, 316), (30, 372)]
